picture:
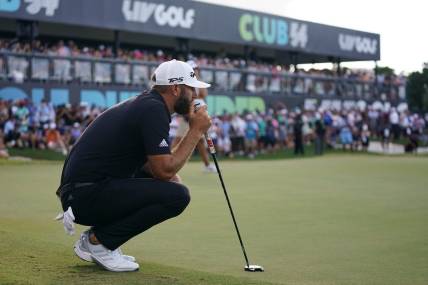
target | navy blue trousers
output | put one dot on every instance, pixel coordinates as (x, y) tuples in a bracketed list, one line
[(119, 209)]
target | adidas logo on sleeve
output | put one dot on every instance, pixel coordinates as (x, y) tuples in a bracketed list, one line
[(163, 143)]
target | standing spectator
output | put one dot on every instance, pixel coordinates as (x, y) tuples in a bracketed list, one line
[(356, 137), (319, 135), (307, 129), (282, 135), (261, 123), (373, 119), (346, 137), (386, 138), (45, 113), (270, 142), (238, 125), (282, 128), (298, 136), (251, 132), (365, 137), (225, 141), (22, 111), (328, 125), (394, 120)]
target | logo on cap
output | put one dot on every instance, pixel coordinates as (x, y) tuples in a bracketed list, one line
[(176, 79)]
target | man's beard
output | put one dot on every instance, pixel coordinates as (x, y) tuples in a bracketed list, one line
[(182, 105)]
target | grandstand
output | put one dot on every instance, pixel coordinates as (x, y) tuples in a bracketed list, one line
[(101, 52)]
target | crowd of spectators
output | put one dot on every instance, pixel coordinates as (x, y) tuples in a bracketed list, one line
[(43, 126), (252, 133), (261, 75), (25, 125)]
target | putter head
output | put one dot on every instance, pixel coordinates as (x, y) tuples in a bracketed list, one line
[(254, 268)]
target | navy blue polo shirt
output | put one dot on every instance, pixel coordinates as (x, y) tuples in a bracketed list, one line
[(116, 144)]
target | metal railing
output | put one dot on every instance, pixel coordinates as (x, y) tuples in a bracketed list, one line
[(40, 67)]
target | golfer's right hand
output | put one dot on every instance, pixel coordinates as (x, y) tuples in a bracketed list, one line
[(199, 120)]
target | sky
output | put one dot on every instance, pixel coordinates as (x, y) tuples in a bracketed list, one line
[(401, 24)]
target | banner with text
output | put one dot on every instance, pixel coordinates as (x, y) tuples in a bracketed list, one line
[(218, 103), (196, 20)]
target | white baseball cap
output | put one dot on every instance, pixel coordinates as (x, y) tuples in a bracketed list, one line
[(176, 72)]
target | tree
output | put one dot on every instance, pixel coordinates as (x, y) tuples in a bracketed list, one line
[(385, 70), (417, 91)]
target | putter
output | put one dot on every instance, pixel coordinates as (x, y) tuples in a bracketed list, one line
[(198, 103)]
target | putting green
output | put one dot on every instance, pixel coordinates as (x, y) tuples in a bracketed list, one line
[(336, 219)]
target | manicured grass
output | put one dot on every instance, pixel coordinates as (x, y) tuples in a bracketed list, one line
[(337, 219), (277, 155), (37, 154)]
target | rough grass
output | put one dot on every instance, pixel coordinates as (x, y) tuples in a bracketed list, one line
[(338, 219)]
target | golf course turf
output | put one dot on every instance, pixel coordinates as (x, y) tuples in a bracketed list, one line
[(337, 219)]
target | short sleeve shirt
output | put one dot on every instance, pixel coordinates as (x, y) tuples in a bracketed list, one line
[(116, 144)]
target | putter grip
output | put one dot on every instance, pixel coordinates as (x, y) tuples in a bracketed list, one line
[(198, 103), (210, 144)]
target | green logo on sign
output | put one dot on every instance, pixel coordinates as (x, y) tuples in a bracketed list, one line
[(266, 30), (218, 104)]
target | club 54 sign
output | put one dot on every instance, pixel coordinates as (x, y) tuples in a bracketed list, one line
[(173, 16), (32, 7), (272, 31)]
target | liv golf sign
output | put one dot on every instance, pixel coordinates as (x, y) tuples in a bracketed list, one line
[(173, 16)]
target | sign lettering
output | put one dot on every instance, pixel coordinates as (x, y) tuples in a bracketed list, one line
[(173, 16)]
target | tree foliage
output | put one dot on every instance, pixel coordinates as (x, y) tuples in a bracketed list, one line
[(417, 91), (385, 70)]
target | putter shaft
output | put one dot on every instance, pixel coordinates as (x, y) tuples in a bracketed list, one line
[(213, 155)]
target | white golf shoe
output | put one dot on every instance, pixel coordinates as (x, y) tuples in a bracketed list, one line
[(82, 251), (112, 260)]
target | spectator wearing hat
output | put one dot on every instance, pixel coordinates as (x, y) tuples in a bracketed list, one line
[(54, 140)]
